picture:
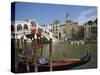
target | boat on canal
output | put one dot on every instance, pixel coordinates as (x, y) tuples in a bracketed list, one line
[(56, 65)]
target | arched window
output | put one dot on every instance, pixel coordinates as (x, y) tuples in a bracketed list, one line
[(19, 27), (25, 26)]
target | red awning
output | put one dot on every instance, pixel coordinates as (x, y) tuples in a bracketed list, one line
[(36, 31)]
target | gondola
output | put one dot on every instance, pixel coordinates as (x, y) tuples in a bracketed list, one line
[(57, 65), (64, 64)]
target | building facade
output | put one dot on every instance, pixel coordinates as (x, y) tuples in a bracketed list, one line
[(55, 28), (62, 33), (46, 27), (68, 27), (72, 28), (90, 30)]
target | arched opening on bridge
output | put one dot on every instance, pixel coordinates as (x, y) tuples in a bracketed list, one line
[(25, 26), (19, 27)]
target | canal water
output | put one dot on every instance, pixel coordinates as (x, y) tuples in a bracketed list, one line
[(66, 51)]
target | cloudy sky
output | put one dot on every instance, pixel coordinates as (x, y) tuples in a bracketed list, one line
[(87, 15), (47, 13)]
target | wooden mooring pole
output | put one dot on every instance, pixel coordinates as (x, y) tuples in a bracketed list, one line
[(35, 55), (50, 53), (17, 41), (26, 55), (41, 39)]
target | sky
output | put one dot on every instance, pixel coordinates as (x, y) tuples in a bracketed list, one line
[(47, 13)]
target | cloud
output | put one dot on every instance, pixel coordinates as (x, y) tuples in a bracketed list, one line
[(87, 15)]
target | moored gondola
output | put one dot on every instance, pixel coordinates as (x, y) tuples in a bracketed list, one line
[(56, 65)]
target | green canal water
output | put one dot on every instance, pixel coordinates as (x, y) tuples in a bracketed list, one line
[(66, 51)]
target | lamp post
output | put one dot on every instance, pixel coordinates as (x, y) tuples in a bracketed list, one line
[(26, 54)]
